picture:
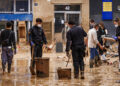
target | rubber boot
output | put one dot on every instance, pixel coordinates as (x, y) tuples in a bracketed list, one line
[(82, 75), (9, 68), (32, 68), (3, 67), (91, 63), (99, 61), (96, 61), (76, 76)]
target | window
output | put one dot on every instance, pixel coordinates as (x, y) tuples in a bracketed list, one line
[(6, 5), (21, 5)]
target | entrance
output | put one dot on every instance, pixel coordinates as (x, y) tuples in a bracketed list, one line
[(64, 14)]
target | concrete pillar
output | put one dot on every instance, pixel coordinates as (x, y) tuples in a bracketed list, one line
[(14, 6), (15, 30)]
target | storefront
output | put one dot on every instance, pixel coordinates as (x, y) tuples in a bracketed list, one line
[(16, 11), (57, 12), (106, 11)]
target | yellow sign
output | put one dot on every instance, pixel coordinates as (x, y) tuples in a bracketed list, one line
[(107, 6)]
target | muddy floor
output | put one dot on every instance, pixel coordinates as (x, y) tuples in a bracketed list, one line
[(106, 75)]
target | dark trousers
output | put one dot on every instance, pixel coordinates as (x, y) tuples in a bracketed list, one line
[(37, 53), (7, 56), (78, 62), (119, 51)]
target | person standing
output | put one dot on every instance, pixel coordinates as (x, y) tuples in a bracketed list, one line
[(37, 39), (75, 42), (117, 37), (102, 31), (7, 40), (92, 43), (92, 23)]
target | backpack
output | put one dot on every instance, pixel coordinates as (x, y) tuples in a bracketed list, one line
[(7, 41)]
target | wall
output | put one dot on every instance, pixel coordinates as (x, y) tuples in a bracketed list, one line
[(45, 10), (96, 14)]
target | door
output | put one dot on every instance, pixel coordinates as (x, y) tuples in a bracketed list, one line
[(73, 17), (59, 22)]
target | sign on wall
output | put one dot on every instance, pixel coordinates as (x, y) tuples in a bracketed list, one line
[(107, 10)]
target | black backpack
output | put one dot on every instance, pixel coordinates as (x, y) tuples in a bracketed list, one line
[(7, 41)]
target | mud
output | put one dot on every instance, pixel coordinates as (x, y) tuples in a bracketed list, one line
[(105, 75)]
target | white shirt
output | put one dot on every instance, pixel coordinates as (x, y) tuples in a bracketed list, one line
[(92, 38)]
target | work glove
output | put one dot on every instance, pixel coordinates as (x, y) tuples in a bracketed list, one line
[(115, 37), (32, 43)]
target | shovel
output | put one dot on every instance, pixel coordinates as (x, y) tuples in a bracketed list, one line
[(31, 68), (68, 60)]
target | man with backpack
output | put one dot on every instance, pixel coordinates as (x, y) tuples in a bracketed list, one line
[(7, 40)]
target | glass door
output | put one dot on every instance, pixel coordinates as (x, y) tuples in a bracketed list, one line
[(59, 22), (73, 17)]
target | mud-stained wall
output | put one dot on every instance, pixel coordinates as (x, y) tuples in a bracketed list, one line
[(45, 10)]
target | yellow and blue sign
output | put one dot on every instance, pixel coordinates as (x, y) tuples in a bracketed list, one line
[(107, 10)]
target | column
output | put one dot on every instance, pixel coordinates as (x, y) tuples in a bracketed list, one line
[(15, 30)]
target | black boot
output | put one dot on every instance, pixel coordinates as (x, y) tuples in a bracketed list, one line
[(9, 68), (82, 75), (3, 67), (76, 76)]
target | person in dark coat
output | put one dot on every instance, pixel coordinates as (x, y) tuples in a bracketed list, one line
[(75, 42), (37, 38), (102, 31), (117, 37), (7, 40)]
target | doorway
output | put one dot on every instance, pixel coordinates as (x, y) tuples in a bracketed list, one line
[(65, 13)]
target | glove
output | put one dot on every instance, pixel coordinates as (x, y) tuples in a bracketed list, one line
[(32, 44), (115, 37)]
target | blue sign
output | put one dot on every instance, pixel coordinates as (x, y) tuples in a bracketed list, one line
[(107, 10), (17, 17)]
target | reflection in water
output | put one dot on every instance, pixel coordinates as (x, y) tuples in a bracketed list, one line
[(106, 75)]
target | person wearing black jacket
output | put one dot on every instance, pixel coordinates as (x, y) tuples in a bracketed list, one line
[(37, 39), (101, 32), (7, 40), (117, 38), (75, 42)]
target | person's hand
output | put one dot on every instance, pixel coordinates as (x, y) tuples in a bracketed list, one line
[(32, 44), (115, 37)]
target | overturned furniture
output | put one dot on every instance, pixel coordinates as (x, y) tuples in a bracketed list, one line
[(42, 67)]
